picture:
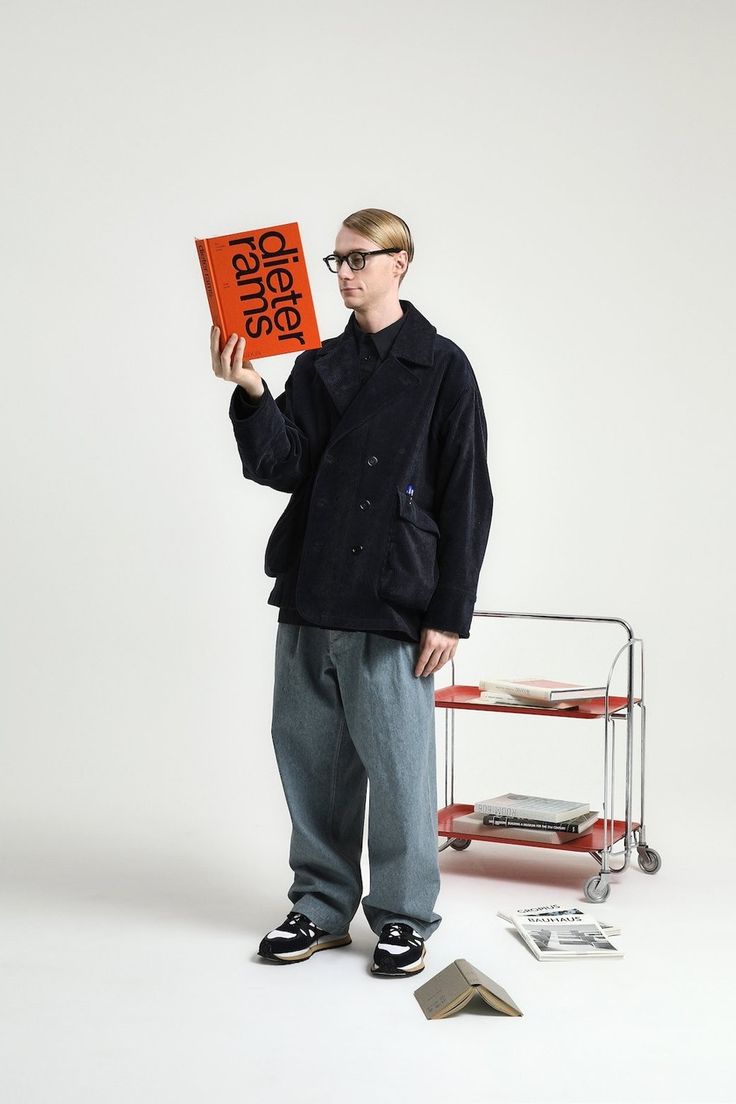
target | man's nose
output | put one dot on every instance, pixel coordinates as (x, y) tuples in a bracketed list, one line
[(341, 263)]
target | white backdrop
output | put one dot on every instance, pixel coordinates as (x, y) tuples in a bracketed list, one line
[(567, 169)]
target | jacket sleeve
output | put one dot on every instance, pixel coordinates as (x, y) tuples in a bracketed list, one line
[(464, 506), (273, 450)]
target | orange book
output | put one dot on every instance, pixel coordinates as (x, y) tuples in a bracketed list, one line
[(257, 286)]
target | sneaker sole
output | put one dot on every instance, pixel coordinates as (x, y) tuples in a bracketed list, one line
[(406, 971), (300, 956)]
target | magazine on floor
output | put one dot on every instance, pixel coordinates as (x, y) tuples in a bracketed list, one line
[(556, 910), (551, 937)]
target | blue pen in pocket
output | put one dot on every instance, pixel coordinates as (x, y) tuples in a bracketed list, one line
[(409, 490)]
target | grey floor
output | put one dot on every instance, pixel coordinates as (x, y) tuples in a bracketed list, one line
[(129, 974)]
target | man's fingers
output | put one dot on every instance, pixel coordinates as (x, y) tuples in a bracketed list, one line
[(220, 360), (237, 361), (425, 664), (215, 347), (434, 659), (226, 355)]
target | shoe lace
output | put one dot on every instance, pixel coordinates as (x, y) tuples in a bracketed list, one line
[(400, 931), (301, 922)]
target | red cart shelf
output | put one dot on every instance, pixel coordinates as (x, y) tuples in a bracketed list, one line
[(456, 697)]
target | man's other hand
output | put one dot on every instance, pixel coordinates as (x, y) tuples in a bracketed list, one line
[(436, 648)]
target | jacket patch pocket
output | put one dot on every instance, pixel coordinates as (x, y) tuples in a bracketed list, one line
[(410, 571)]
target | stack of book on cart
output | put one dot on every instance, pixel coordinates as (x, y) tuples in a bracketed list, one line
[(536, 693), (523, 817)]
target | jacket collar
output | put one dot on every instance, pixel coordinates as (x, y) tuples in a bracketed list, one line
[(411, 352), (414, 341)]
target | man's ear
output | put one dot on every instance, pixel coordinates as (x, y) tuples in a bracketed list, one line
[(401, 262)]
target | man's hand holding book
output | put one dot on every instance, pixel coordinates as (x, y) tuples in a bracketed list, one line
[(230, 366)]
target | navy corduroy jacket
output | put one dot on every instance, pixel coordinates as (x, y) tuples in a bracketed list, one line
[(391, 501)]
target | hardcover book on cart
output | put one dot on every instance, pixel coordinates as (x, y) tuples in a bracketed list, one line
[(472, 825), (552, 937), (490, 697), (538, 689), (552, 809), (578, 825)]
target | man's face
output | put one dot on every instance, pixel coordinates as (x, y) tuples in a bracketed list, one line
[(377, 282)]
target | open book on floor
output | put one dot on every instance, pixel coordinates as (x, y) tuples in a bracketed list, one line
[(456, 985)]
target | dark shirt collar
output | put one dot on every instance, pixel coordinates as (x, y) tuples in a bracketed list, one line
[(382, 340)]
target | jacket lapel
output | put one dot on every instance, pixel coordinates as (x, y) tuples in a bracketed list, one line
[(411, 352)]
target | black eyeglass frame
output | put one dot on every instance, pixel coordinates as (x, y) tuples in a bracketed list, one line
[(362, 253)]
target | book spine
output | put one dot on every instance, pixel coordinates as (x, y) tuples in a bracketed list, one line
[(498, 810), (211, 288), (527, 692), (493, 698), (532, 813), (504, 811), (496, 821)]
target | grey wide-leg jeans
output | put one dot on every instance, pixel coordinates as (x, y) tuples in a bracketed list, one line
[(348, 710)]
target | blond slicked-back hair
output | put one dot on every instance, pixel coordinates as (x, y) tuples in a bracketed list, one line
[(384, 228)]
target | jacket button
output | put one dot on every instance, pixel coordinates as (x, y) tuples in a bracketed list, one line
[(365, 504), (357, 548), (372, 460)]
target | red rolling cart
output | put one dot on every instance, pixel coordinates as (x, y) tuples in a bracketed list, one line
[(629, 711)]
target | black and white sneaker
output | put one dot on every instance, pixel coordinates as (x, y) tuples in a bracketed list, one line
[(298, 938), (399, 951)]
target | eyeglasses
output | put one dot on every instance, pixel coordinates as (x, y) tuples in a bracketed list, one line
[(356, 258)]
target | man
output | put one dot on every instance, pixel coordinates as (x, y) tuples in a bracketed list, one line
[(380, 438)]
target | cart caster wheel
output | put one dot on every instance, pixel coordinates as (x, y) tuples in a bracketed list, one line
[(649, 860), (597, 889), (459, 844)]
